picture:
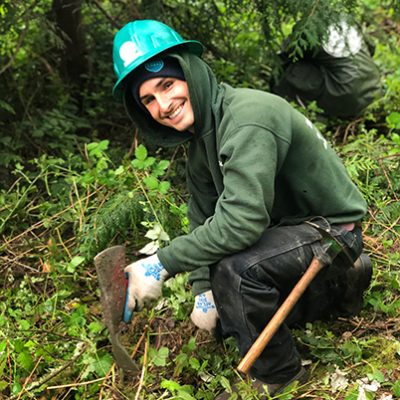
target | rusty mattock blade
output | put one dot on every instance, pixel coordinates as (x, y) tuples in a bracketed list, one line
[(110, 264)]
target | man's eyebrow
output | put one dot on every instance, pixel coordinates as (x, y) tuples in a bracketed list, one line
[(158, 84), (161, 81)]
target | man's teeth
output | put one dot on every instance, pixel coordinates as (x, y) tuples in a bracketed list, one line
[(176, 112)]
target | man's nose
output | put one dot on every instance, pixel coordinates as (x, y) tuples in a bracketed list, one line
[(164, 102)]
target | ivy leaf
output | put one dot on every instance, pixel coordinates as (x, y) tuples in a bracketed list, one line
[(172, 386), (120, 170), (149, 162), (376, 375), (141, 153), (393, 120), (96, 327), (160, 168), (164, 187), (159, 358), (182, 392), (24, 324), (96, 149), (194, 363), (151, 182), (138, 164)]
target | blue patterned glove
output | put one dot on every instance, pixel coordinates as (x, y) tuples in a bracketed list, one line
[(145, 280), (204, 314)]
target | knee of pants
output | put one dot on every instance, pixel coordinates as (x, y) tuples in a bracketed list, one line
[(225, 278), (234, 283)]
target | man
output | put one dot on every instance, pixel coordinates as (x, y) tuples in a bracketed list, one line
[(262, 180)]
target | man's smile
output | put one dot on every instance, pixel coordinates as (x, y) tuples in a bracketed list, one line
[(176, 112)]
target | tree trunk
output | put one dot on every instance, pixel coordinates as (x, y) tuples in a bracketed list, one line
[(74, 64)]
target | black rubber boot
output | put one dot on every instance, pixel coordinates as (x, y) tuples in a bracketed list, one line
[(358, 280)]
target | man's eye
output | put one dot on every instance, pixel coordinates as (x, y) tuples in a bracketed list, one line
[(168, 84), (146, 101)]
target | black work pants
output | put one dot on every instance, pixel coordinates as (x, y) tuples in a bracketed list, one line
[(249, 287)]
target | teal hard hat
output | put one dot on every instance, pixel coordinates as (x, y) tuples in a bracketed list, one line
[(140, 40)]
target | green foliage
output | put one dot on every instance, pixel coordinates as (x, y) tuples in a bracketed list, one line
[(242, 50), (72, 184), (78, 205), (158, 357), (180, 300), (181, 392), (396, 388), (373, 168)]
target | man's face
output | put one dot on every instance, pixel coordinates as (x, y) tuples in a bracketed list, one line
[(168, 102)]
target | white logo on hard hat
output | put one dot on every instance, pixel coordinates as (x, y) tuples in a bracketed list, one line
[(129, 52), (342, 40)]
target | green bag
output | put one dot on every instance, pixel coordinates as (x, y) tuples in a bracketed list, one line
[(340, 76)]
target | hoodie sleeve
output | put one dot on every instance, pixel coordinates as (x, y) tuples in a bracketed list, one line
[(242, 212), (202, 200), (201, 205)]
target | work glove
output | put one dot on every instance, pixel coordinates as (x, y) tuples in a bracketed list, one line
[(204, 314), (145, 280)]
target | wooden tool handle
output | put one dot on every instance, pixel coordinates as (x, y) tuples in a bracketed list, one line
[(276, 321)]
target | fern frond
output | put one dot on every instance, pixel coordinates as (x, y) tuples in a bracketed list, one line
[(119, 217)]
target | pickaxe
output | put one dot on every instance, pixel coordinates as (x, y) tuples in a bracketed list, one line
[(330, 249)]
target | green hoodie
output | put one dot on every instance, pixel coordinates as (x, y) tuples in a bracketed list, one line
[(254, 161)]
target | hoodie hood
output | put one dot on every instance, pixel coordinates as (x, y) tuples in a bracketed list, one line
[(204, 97)]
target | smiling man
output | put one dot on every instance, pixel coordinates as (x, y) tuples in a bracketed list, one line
[(167, 100), (262, 181), (160, 87)]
